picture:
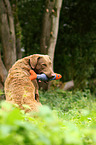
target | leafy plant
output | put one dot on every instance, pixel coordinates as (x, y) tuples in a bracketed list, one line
[(71, 124)]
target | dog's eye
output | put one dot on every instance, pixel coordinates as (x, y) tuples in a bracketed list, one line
[(44, 64)]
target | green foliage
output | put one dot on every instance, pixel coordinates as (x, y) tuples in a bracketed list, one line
[(75, 55), (1, 93), (75, 126), (59, 99), (76, 42), (30, 15)]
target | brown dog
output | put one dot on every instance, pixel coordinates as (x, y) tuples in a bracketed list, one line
[(19, 89)]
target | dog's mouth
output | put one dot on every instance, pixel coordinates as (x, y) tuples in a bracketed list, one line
[(49, 76)]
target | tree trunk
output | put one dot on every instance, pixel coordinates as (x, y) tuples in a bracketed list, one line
[(46, 27), (50, 27), (7, 34), (3, 73), (50, 30), (54, 29)]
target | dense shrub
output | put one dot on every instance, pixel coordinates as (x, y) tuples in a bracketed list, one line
[(72, 121)]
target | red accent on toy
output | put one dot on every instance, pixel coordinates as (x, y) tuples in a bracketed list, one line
[(33, 75), (58, 76)]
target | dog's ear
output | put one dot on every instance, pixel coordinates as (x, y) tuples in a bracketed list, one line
[(34, 60)]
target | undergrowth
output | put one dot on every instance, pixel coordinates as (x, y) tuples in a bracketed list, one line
[(66, 118), (63, 101)]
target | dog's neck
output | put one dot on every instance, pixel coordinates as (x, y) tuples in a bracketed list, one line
[(30, 65)]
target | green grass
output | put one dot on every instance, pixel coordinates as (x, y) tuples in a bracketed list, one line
[(64, 101), (68, 119)]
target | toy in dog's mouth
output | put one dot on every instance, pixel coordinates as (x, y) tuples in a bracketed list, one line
[(44, 77), (51, 76), (47, 78)]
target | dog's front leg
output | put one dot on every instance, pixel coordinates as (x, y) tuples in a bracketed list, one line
[(36, 90)]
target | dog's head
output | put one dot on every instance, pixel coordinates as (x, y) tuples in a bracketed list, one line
[(42, 64)]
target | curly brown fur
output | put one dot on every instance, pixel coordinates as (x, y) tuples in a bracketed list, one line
[(19, 89)]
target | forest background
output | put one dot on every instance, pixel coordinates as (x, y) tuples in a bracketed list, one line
[(74, 49), (66, 31)]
